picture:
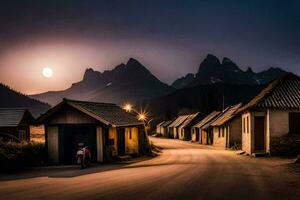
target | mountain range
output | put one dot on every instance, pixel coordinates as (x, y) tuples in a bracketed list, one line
[(133, 82), (212, 71)]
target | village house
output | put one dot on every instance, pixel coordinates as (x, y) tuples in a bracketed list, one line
[(227, 128), (185, 128), (164, 128), (273, 113), (173, 127), (106, 128), (201, 132), (158, 127), (15, 123)]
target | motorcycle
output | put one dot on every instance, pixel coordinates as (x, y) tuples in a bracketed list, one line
[(83, 157)]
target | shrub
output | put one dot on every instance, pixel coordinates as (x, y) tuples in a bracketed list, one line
[(287, 145), (14, 156)]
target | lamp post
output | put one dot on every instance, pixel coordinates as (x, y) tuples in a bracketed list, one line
[(142, 116)]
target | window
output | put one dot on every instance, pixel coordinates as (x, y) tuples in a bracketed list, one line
[(244, 124), (294, 119), (22, 135), (248, 124)]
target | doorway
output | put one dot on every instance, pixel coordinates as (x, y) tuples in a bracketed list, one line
[(259, 133), (69, 138)]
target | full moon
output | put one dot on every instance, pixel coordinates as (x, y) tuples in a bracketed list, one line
[(47, 72)]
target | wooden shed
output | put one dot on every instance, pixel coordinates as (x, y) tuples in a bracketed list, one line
[(227, 128), (15, 123), (201, 132), (273, 113), (106, 128)]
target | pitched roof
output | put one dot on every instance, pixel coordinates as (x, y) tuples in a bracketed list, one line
[(11, 117), (178, 121), (167, 123), (188, 120), (207, 119), (107, 113), (159, 124), (283, 93), (228, 114)]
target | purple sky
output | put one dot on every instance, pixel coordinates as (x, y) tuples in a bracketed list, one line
[(170, 37)]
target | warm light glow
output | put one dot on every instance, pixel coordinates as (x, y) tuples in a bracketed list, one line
[(128, 107), (142, 117), (47, 72)]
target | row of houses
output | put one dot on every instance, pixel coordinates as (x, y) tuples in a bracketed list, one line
[(106, 128), (274, 112)]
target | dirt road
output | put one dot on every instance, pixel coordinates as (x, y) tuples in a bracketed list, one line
[(182, 171)]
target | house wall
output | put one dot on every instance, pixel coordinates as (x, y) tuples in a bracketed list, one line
[(246, 133), (278, 123), (16, 131), (180, 132), (70, 115), (235, 131), (219, 138), (113, 141), (52, 144), (131, 140), (194, 134), (203, 136), (158, 129), (100, 144)]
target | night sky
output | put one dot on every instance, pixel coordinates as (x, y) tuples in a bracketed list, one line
[(170, 37)]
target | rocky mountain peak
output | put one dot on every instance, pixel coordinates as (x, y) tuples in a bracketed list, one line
[(90, 74)]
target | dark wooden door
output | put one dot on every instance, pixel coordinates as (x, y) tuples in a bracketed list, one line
[(121, 141), (197, 134), (259, 133)]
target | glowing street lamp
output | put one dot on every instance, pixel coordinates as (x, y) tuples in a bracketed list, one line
[(128, 107), (142, 116)]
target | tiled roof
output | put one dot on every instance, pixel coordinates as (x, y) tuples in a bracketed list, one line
[(11, 117), (207, 119), (107, 113), (188, 120), (178, 121), (227, 115), (282, 93)]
